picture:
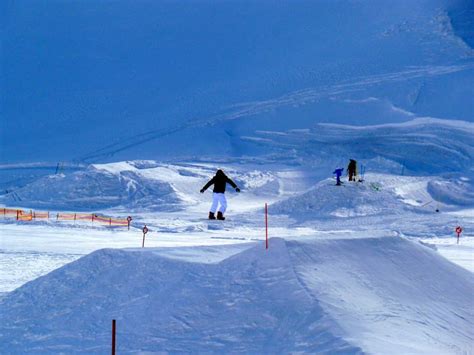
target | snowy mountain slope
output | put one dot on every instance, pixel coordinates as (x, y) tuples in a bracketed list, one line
[(319, 296), (95, 81), (421, 147)]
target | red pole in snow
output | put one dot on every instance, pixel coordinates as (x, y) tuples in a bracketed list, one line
[(458, 231), (145, 231), (266, 226), (113, 336)]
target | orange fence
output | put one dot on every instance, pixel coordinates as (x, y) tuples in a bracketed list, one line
[(22, 215)]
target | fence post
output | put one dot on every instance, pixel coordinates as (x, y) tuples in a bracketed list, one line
[(113, 336), (266, 226), (110, 222), (17, 215)]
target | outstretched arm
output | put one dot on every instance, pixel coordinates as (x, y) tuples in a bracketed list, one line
[(209, 183), (233, 184)]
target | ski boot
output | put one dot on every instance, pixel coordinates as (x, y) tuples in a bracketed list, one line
[(220, 216), (211, 215)]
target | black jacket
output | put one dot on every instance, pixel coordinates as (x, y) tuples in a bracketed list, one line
[(352, 167), (219, 180)]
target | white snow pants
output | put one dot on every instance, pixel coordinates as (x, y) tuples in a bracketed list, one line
[(218, 198)]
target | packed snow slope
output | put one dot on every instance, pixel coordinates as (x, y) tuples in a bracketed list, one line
[(375, 295), (97, 81)]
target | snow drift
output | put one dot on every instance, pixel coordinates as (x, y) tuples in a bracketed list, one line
[(419, 146), (316, 296)]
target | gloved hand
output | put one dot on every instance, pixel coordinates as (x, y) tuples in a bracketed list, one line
[(237, 189), (202, 191)]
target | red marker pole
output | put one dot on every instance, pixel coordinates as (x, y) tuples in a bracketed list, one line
[(266, 226), (113, 336), (458, 231), (145, 231)]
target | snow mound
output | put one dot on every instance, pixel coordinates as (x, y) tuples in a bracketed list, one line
[(352, 199), (320, 296), (95, 188), (378, 194)]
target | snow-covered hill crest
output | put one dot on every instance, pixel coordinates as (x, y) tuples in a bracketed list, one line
[(313, 297)]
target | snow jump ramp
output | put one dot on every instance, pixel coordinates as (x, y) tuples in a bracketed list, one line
[(371, 295)]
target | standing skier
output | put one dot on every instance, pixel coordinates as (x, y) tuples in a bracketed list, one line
[(218, 197), (352, 170), (338, 173)]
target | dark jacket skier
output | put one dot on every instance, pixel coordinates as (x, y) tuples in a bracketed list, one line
[(352, 170), (220, 180)]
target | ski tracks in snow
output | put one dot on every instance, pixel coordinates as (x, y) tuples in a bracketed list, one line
[(295, 98)]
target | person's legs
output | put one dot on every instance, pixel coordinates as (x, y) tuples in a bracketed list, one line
[(223, 203), (215, 200)]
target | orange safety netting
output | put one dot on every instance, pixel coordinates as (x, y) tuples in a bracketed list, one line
[(9, 212), (73, 216), (21, 215), (111, 221), (40, 215)]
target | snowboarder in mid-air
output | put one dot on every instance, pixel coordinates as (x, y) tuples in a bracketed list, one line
[(220, 181), (338, 173), (352, 170)]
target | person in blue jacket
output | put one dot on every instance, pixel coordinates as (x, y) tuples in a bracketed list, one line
[(220, 180), (338, 173)]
